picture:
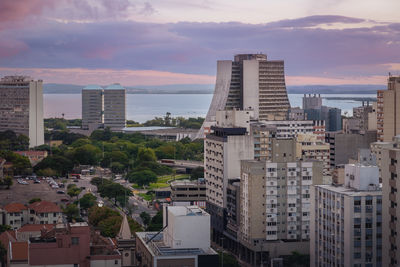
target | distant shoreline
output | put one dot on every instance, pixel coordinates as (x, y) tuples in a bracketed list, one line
[(207, 93)]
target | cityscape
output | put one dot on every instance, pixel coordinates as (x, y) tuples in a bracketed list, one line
[(175, 134)]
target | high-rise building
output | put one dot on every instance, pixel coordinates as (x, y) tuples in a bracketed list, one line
[(21, 102), (312, 101), (250, 81), (390, 171), (92, 106), (104, 107), (388, 110), (346, 221), (275, 207), (344, 147), (114, 107)]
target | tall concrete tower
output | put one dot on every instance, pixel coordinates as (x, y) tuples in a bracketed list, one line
[(21, 102), (250, 81)]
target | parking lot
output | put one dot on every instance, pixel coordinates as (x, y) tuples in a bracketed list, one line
[(23, 193)]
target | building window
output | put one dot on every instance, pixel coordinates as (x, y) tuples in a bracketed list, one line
[(116, 262), (76, 265), (75, 240)]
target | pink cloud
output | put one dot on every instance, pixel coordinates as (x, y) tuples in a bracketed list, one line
[(108, 76), (13, 10)]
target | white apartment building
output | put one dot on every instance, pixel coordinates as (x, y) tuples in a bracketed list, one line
[(289, 129), (275, 205), (346, 221), (21, 102)]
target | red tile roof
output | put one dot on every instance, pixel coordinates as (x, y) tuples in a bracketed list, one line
[(35, 227), (44, 207), (19, 251), (15, 207)]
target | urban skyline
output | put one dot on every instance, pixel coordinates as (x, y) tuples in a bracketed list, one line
[(156, 44)]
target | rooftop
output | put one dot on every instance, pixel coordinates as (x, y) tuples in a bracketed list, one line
[(350, 191), (157, 247), (186, 211), (19, 251), (92, 87), (15, 207), (44, 207), (115, 86), (35, 227)]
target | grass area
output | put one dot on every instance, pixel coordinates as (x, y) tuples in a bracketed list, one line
[(162, 181), (146, 196)]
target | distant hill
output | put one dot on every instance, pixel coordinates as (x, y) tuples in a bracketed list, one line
[(52, 88)]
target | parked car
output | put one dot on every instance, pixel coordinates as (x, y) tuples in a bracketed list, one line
[(60, 192)]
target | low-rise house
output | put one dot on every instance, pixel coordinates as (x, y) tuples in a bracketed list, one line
[(44, 212), (61, 244), (15, 215)]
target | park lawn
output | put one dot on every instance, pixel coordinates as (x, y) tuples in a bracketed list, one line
[(146, 197), (162, 181)]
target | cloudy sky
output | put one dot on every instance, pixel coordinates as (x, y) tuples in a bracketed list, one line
[(163, 42)]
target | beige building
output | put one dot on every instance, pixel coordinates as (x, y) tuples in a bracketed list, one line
[(388, 110), (21, 102), (189, 192), (390, 171), (275, 206), (346, 221), (309, 147)]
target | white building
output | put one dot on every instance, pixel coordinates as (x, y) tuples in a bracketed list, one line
[(186, 227), (21, 102), (289, 129), (92, 106), (346, 221)]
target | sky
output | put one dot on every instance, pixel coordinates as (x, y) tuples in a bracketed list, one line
[(163, 42)]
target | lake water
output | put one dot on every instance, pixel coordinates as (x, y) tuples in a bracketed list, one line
[(143, 107)]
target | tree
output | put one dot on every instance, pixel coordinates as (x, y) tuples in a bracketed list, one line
[(145, 155), (141, 178), (46, 172), (4, 228), (156, 222), (33, 200), (72, 212), (8, 181), (298, 260), (110, 226), (73, 191), (197, 173), (145, 217), (87, 154), (62, 165), (97, 214), (87, 201), (3, 255)]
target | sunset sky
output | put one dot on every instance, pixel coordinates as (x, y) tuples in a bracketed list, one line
[(162, 42)]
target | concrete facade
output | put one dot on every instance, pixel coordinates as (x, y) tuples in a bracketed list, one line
[(388, 110), (344, 147), (390, 171), (346, 221), (21, 99), (103, 107), (115, 107), (275, 206), (249, 82)]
